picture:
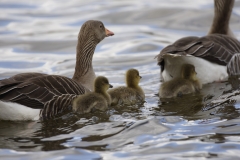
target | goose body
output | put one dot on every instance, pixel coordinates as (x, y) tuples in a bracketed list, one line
[(209, 54), (97, 100), (17, 112), (186, 83), (233, 96), (40, 93), (49, 95), (130, 94), (204, 68)]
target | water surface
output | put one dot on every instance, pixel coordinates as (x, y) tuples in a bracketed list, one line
[(41, 36)]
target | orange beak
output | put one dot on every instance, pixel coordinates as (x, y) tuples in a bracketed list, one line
[(108, 33)]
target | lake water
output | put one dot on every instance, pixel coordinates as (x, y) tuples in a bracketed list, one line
[(41, 36)]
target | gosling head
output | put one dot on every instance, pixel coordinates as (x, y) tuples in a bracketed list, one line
[(95, 29), (188, 72), (132, 78), (83, 104), (102, 84)]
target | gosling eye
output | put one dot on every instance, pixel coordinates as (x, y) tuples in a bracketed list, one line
[(101, 26)]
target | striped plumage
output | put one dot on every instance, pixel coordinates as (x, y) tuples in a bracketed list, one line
[(53, 94), (233, 66), (209, 54), (216, 48)]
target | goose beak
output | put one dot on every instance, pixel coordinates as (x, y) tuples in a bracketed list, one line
[(108, 33), (110, 86)]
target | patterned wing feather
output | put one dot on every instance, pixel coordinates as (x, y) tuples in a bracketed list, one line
[(34, 92), (214, 48), (58, 104)]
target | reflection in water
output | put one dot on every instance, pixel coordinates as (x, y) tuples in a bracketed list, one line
[(187, 105), (227, 112), (40, 37), (226, 106)]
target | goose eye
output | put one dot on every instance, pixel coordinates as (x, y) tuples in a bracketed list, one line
[(100, 26)]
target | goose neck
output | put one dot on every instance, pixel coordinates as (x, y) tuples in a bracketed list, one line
[(222, 14), (83, 70)]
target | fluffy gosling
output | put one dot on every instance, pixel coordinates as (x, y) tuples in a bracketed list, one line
[(130, 94), (185, 84), (97, 100)]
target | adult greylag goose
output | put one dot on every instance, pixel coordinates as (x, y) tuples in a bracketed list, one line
[(97, 100), (130, 94), (185, 84), (209, 54), (30, 96)]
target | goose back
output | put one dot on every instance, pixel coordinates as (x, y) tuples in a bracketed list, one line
[(19, 78), (215, 48), (40, 92)]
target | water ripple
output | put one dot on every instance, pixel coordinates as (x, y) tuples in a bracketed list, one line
[(41, 36)]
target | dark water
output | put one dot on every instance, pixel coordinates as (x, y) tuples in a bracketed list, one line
[(40, 36)]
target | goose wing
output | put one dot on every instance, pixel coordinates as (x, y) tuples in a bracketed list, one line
[(20, 78), (215, 48), (37, 91), (233, 66), (58, 104)]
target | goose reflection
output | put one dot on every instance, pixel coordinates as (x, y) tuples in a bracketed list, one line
[(229, 101)]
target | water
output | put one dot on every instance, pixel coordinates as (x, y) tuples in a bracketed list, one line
[(41, 36)]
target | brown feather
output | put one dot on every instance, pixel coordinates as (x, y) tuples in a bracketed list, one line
[(39, 91), (214, 48)]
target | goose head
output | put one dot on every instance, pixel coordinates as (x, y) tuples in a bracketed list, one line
[(132, 78), (91, 33), (93, 101), (94, 29), (188, 72)]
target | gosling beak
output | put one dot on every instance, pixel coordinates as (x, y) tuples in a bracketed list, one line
[(140, 77), (108, 33), (196, 72), (110, 86)]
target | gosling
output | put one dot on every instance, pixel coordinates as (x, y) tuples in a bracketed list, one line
[(97, 100), (185, 84), (130, 94)]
